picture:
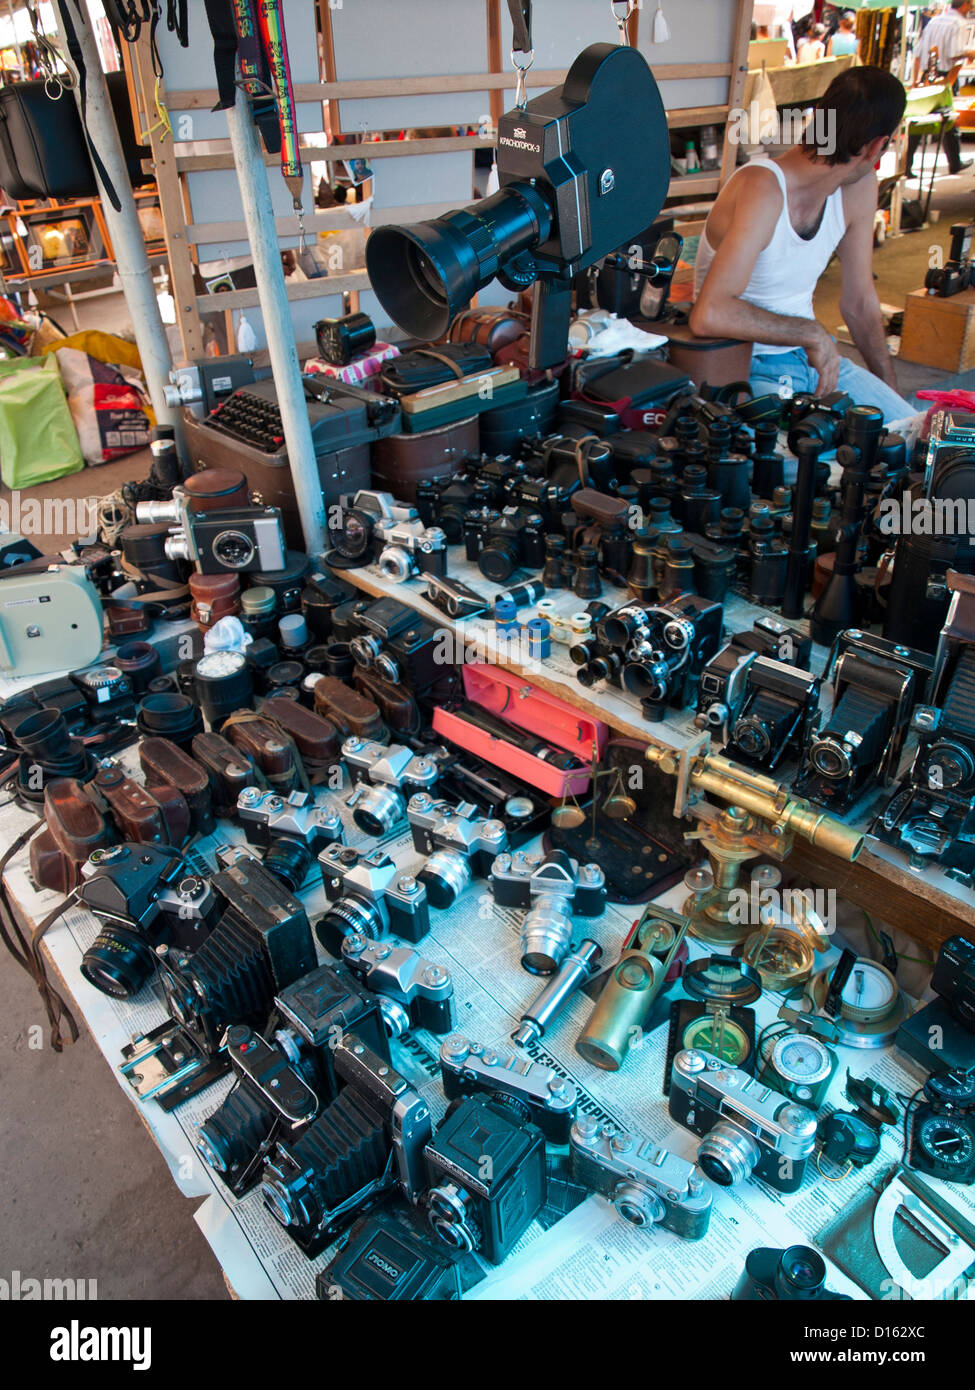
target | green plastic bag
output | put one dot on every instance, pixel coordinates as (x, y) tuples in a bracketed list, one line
[(38, 440)]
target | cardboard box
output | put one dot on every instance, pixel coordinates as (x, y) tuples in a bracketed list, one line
[(940, 332)]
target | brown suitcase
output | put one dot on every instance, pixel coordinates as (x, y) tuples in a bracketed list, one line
[(717, 361), (400, 461), (492, 328)]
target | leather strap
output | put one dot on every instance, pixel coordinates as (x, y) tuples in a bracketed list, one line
[(455, 367), (521, 25)]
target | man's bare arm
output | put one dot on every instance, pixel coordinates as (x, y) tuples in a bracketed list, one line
[(859, 304), (745, 225)]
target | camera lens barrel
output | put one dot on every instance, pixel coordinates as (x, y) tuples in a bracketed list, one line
[(445, 875), (728, 1155), (118, 962), (379, 810)]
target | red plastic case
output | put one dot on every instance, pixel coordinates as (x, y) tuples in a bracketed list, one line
[(554, 721)]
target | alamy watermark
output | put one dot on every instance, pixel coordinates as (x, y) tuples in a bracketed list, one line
[(926, 516), (25, 1288), (49, 516), (771, 125)]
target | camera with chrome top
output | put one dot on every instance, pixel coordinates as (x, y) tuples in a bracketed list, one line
[(360, 521), (283, 1078), (237, 539), (291, 830), (532, 1091), (395, 642), (367, 1143), (778, 711), (648, 1185), (385, 775), (487, 1177), (503, 542), (461, 845), (556, 889), (369, 894), (748, 1130), (412, 992), (147, 897)]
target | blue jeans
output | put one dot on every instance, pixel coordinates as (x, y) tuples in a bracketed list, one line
[(775, 372)]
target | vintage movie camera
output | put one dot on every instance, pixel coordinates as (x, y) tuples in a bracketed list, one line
[(372, 524), (774, 1276), (146, 897), (957, 273), (260, 945), (554, 888), (235, 539), (747, 1129), (662, 649), (393, 641), (385, 777), (778, 710), (460, 844), (530, 1090), (291, 830), (647, 1185), (573, 189), (503, 542), (285, 1077), (876, 685), (412, 992), (367, 1143), (369, 894), (486, 1174)]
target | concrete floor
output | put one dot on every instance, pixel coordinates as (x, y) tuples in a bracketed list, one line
[(86, 1193)]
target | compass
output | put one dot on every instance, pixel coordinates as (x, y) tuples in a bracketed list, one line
[(716, 1018), (862, 998), (943, 1145), (801, 1067)]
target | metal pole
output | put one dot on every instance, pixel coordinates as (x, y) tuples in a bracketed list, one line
[(128, 244), (272, 292)]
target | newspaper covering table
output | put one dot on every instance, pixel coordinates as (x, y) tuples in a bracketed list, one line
[(590, 1253)]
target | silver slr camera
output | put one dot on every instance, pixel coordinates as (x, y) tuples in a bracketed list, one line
[(369, 894), (413, 992), (555, 888), (461, 844), (648, 1185), (384, 776), (266, 816), (749, 1129), (371, 522)]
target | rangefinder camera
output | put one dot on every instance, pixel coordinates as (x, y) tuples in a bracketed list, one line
[(369, 895), (532, 1090), (461, 845), (413, 992), (748, 1129), (648, 1185)]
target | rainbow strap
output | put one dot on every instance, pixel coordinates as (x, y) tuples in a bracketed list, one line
[(275, 45)]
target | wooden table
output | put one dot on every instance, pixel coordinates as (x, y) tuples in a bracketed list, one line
[(925, 904)]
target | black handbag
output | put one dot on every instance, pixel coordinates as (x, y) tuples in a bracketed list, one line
[(43, 153)]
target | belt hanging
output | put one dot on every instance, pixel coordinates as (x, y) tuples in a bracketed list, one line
[(271, 29)]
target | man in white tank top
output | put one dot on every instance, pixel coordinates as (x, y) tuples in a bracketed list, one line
[(772, 232)]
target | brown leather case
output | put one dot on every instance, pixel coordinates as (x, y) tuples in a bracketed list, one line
[(159, 816), (267, 746), (599, 506), (315, 737), (163, 764), (398, 708), (717, 361), (400, 461), (215, 596), (216, 489), (74, 828), (350, 712), (229, 770), (492, 328)]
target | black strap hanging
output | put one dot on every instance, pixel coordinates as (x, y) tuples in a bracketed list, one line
[(521, 24), (66, 24)]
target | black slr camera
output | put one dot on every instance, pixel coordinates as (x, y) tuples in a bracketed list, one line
[(876, 685), (957, 273), (503, 542), (283, 1079), (486, 1176), (777, 1275), (147, 897), (778, 711), (480, 483)]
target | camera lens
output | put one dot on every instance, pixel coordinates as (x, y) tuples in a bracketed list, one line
[(397, 564), (647, 682), (830, 759), (210, 1151), (118, 962), (499, 559), (638, 1205), (446, 874), (350, 914), (450, 1216), (354, 536), (752, 737), (949, 765), (169, 715), (801, 1273), (365, 648), (620, 628), (546, 934), (387, 667), (727, 1155), (289, 860), (379, 810), (280, 1203)]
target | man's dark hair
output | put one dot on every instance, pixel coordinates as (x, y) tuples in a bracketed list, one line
[(858, 106), (958, 4)]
